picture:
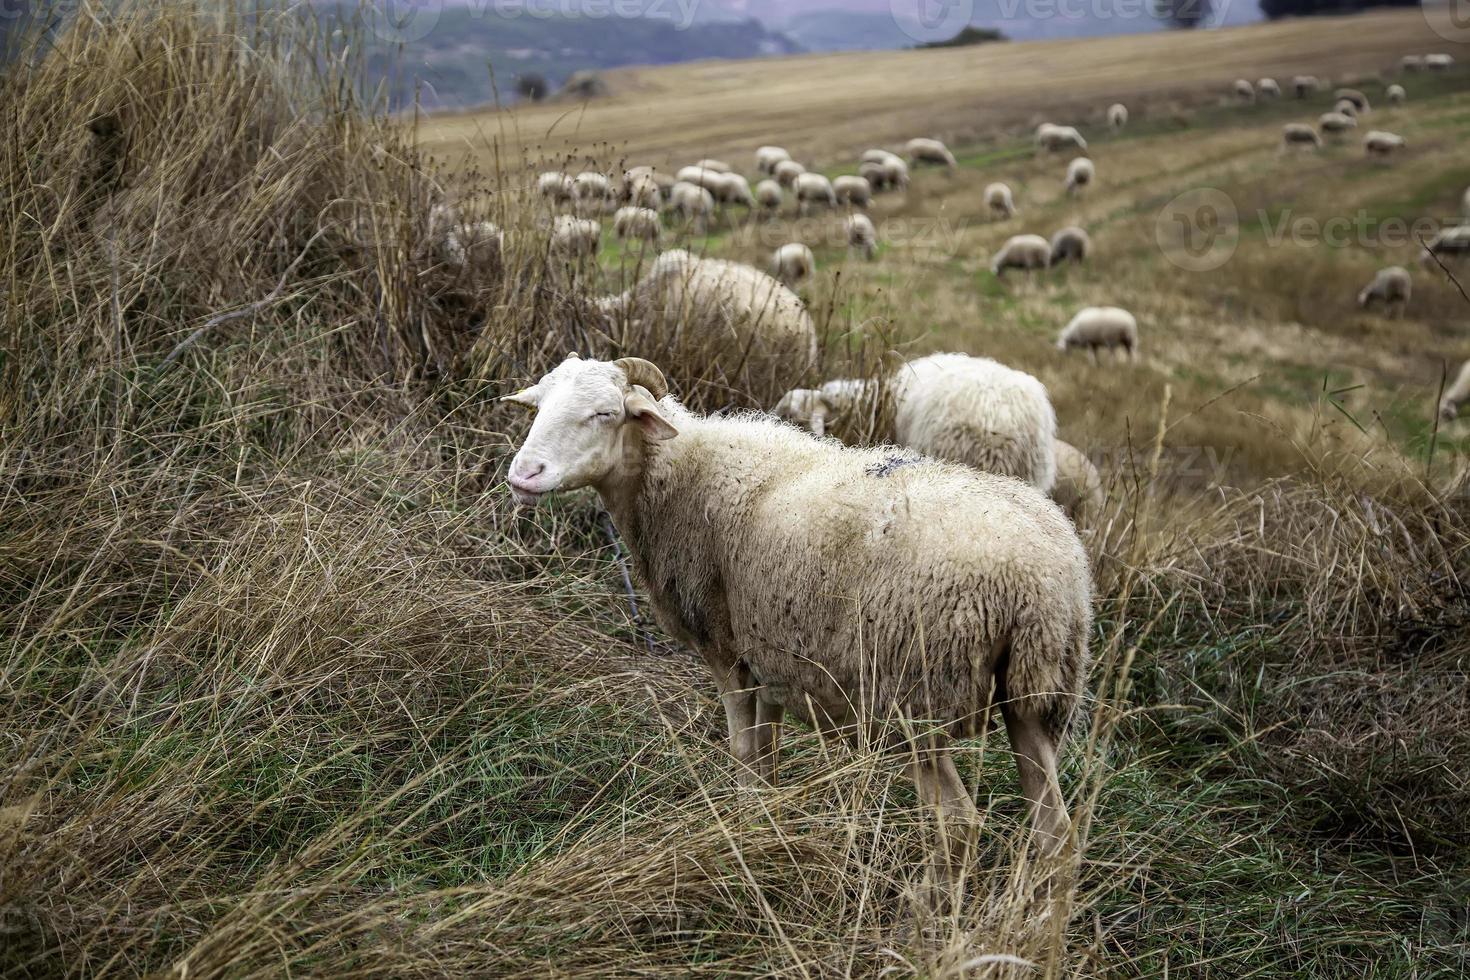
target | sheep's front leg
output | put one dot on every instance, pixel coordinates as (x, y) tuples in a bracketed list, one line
[(940, 787), (737, 694)]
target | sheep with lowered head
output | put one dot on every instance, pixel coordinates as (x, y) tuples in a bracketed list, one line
[(1381, 144), (1439, 62), (769, 196), (1299, 135), (639, 223), (748, 325), (814, 190), (862, 236), (1244, 90), (1054, 138), (593, 191), (767, 157), (1392, 287), (1305, 85), (855, 191), (732, 189), (1080, 174), (1079, 487), (884, 170), (1347, 108), (793, 263), (1025, 252), (1357, 98), (1097, 328), (1455, 395), (1267, 88), (1117, 115), (922, 150), (1070, 244), (789, 564), (575, 236), (1395, 95), (1411, 63), (1336, 123), (1000, 201), (954, 407), (692, 203), (786, 173), (555, 186)]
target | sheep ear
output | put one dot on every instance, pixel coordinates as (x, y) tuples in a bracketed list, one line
[(526, 397), (643, 411)]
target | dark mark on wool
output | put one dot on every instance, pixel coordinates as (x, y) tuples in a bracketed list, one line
[(886, 466)]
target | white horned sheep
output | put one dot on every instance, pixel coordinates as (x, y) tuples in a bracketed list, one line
[(1080, 174), (1299, 135), (855, 191), (954, 407), (692, 203), (752, 581), (766, 158), (1079, 486), (1439, 62), (862, 236), (1244, 90), (593, 191), (1378, 143), (1000, 201), (787, 172), (1357, 98), (1451, 243), (1070, 244), (743, 319), (573, 236), (1395, 95), (1411, 63), (555, 186), (1305, 85), (1455, 395), (1025, 252), (642, 224), (1392, 287), (1117, 115), (1054, 138), (923, 150), (1267, 88), (1097, 328), (1336, 123), (814, 189), (769, 196), (793, 263)]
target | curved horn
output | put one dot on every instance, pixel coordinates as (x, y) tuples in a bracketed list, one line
[(645, 373)]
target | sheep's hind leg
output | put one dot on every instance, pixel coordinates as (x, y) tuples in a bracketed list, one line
[(940, 787), (1036, 759)]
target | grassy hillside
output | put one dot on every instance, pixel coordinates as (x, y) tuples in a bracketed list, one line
[(286, 686)]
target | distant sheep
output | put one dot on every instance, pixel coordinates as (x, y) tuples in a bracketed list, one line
[(855, 191), (1357, 98), (1347, 108), (641, 188), (1455, 395), (962, 409), (1117, 115), (1267, 88), (640, 223), (732, 189), (593, 192), (555, 186), (1392, 287), (769, 196), (999, 200), (1395, 95), (1101, 328), (1449, 243), (786, 172), (1054, 138), (472, 243), (1244, 90), (1305, 85), (718, 166), (1336, 123), (1025, 252), (814, 189), (1411, 63), (876, 175), (1080, 175), (862, 237), (793, 263), (1439, 62), (767, 157), (923, 150), (1070, 244), (575, 236), (1299, 135), (1079, 487), (1380, 144), (692, 203)]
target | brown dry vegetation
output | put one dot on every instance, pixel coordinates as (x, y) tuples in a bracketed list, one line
[(287, 687)]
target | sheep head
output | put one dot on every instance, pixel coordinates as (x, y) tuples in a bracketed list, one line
[(589, 415)]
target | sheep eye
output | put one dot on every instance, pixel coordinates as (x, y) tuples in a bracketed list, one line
[(603, 416)]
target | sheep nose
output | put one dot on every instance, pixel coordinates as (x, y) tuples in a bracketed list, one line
[(525, 472)]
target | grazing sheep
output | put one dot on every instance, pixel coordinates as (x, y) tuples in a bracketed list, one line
[(1267, 88), (1395, 95), (1244, 90), (1101, 327), (743, 322), (1455, 395), (1346, 107), (473, 242), (790, 564), (593, 191), (862, 236), (692, 203), (1080, 174), (711, 180), (1392, 287), (1358, 99), (855, 191), (954, 407), (769, 196), (575, 236), (1411, 63), (1439, 62), (718, 166), (930, 151), (1448, 243), (640, 223), (767, 157), (641, 188), (814, 189), (1336, 123), (1079, 486), (877, 155), (999, 200), (1380, 144), (1299, 135), (786, 172), (1070, 244), (555, 186), (793, 263), (732, 189), (895, 173), (1025, 252), (1117, 115), (876, 175), (1054, 139), (1305, 85)]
